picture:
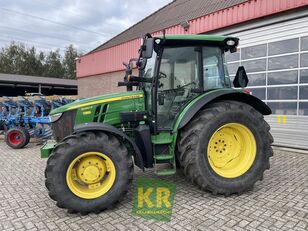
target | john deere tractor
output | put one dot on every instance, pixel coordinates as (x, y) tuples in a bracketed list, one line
[(181, 111)]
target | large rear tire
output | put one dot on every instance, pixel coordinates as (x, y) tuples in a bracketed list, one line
[(226, 148), (88, 172), (17, 137)]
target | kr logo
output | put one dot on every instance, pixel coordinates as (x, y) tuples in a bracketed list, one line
[(153, 199)]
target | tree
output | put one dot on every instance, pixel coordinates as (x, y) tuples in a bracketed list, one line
[(18, 59), (53, 65), (69, 63), (12, 58), (32, 64)]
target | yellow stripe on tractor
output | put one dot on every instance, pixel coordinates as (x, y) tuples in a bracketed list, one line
[(107, 101)]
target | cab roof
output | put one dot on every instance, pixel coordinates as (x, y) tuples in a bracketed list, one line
[(181, 39), (195, 37)]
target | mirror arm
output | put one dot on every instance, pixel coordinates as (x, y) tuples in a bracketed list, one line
[(139, 79)]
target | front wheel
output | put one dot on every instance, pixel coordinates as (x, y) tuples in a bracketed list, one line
[(226, 148), (88, 172)]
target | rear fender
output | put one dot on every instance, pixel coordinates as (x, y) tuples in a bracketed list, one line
[(216, 95), (114, 131)]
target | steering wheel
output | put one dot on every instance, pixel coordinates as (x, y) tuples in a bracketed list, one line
[(162, 75), (186, 85)]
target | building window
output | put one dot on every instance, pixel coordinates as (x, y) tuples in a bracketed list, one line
[(304, 43), (303, 92), (277, 72), (282, 93), (285, 46), (283, 62), (257, 79), (303, 108), (232, 68), (283, 108), (231, 57), (304, 60), (282, 77), (304, 76), (254, 52), (255, 65), (258, 92)]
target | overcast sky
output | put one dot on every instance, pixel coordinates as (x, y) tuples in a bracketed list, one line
[(51, 24)]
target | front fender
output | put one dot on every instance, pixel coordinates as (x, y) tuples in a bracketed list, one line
[(116, 132), (212, 96)]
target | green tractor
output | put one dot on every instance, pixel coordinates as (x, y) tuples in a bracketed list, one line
[(180, 112)]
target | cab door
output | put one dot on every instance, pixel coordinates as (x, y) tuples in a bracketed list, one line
[(179, 73)]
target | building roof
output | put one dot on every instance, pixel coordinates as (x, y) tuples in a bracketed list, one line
[(172, 14), (12, 78)]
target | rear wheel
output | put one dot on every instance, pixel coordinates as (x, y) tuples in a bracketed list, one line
[(226, 148), (88, 172), (17, 137)]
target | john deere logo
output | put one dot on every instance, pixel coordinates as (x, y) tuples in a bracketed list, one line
[(153, 199)]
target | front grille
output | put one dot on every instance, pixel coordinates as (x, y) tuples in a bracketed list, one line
[(64, 126)]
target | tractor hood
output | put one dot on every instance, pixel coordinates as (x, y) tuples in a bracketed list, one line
[(98, 100)]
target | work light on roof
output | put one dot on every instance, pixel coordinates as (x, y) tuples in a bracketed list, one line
[(230, 42)]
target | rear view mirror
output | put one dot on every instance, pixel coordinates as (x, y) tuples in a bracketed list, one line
[(241, 79), (147, 48)]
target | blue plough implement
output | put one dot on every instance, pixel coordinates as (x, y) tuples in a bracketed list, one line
[(24, 119)]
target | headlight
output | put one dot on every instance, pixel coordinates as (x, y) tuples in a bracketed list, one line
[(230, 42), (55, 117)]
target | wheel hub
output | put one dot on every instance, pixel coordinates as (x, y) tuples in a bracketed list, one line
[(91, 169), (224, 147), (15, 138)]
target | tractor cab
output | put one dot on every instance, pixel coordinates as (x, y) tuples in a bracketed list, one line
[(175, 69)]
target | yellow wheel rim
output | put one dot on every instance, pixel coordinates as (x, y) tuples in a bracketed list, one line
[(90, 175), (232, 150)]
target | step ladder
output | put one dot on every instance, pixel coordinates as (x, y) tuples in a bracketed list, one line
[(164, 158)]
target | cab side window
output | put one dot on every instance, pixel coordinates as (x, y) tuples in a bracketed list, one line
[(213, 73)]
